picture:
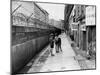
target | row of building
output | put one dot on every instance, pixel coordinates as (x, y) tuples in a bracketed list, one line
[(59, 24), (27, 13), (82, 27)]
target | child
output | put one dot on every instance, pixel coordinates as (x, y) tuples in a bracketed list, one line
[(56, 44), (59, 44), (51, 44)]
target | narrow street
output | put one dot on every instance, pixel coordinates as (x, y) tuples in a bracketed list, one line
[(61, 61), (36, 28)]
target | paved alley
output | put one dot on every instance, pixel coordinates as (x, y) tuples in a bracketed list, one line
[(35, 43), (61, 61)]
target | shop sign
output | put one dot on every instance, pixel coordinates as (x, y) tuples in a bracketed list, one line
[(74, 26), (90, 15)]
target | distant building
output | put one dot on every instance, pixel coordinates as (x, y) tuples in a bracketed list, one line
[(57, 24), (62, 24), (51, 22)]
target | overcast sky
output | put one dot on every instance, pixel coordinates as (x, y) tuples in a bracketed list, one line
[(56, 11)]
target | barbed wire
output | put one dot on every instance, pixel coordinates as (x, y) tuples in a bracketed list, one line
[(26, 10)]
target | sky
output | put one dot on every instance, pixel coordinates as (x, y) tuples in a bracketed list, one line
[(56, 11)]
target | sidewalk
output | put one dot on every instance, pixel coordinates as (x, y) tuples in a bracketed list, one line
[(81, 57), (63, 60), (60, 62)]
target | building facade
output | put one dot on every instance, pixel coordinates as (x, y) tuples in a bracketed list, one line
[(83, 27), (67, 12), (80, 18), (77, 26), (91, 29)]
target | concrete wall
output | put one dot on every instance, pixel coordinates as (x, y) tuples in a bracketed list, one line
[(21, 54)]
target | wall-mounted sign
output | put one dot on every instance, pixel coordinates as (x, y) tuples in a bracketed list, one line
[(90, 15), (74, 26)]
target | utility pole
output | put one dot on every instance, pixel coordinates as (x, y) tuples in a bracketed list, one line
[(26, 30), (29, 18)]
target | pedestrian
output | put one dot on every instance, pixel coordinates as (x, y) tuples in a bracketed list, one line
[(56, 43), (59, 44), (51, 44)]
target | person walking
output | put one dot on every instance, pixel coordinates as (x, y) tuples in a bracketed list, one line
[(59, 44), (56, 43), (51, 44)]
